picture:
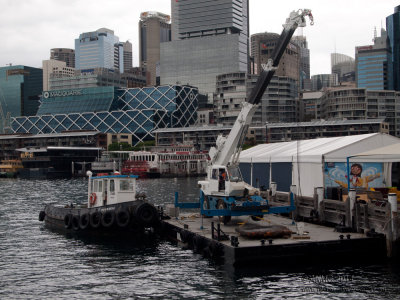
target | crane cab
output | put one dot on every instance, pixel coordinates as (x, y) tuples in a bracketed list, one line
[(223, 181)]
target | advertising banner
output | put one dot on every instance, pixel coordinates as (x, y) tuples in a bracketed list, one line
[(362, 175)]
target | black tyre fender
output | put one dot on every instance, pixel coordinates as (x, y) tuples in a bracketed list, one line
[(215, 250), (108, 218), (186, 236), (68, 221), (122, 217), (84, 221), (42, 215), (146, 214), (75, 222), (199, 244), (95, 219)]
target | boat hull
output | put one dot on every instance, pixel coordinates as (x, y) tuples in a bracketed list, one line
[(135, 217)]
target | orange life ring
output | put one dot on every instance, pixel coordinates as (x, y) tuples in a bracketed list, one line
[(92, 198)]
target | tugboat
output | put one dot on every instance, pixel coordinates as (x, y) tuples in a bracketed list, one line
[(113, 206)]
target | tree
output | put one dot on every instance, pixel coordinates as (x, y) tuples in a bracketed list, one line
[(144, 145), (120, 147)]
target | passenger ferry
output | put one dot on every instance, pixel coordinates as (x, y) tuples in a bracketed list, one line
[(10, 168), (113, 206), (166, 163)]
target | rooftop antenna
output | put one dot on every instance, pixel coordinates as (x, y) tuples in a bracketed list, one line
[(375, 34)]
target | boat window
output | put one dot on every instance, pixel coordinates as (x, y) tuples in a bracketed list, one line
[(125, 185), (99, 186), (112, 186)]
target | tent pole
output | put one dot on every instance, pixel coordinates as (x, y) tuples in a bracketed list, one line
[(251, 171)]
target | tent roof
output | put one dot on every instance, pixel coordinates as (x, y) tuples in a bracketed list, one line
[(335, 149), (388, 153)]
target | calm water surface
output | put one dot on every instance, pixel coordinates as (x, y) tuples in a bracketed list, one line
[(36, 263)]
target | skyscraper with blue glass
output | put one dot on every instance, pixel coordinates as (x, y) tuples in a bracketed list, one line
[(373, 70), (99, 49), (393, 29), (20, 88)]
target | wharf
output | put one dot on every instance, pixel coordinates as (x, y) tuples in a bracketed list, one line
[(316, 243)]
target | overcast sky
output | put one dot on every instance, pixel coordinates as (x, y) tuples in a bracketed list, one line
[(30, 28)]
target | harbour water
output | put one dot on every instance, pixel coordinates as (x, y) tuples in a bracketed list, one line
[(36, 263)]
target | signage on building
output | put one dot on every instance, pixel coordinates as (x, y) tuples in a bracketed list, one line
[(63, 93), (12, 72), (364, 48)]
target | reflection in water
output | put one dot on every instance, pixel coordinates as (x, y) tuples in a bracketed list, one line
[(38, 263)]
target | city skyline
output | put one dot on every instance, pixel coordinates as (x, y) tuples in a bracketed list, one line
[(43, 24)]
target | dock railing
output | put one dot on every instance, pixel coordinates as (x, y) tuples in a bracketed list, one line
[(369, 213)]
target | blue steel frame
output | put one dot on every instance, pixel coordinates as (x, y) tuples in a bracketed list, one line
[(256, 207)]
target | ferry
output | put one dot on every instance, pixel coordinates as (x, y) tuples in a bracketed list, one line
[(9, 168), (148, 164), (113, 206)]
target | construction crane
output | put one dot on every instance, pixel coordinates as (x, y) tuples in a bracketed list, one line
[(223, 192)]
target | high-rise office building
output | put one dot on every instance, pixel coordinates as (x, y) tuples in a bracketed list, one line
[(393, 29), (64, 54), (320, 81), (20, 88), (301, 41), (57, 68), (372, 61), (344, 66), (154, 29), (127, 46), (99, 49), (262, 47), (209, 38)]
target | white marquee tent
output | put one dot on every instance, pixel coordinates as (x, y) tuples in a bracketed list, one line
[(302, 162)]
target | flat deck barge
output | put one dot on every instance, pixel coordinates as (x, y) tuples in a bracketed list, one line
[(311, 241)]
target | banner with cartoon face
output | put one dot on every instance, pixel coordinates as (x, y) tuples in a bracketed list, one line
[(362, 175)]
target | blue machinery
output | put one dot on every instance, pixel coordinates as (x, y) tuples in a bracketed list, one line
[(253, 206)]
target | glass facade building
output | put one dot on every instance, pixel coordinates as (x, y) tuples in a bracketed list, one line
[(209, 38), (373, 65), (20, 88), (99, 49), (136, 111), (393, 30)]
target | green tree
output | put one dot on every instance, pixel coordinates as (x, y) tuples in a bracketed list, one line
[(120, 147), (144, 145)]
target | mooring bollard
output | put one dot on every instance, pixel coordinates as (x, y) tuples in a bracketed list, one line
[(392, 198), (320, 195), (352, 202)]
